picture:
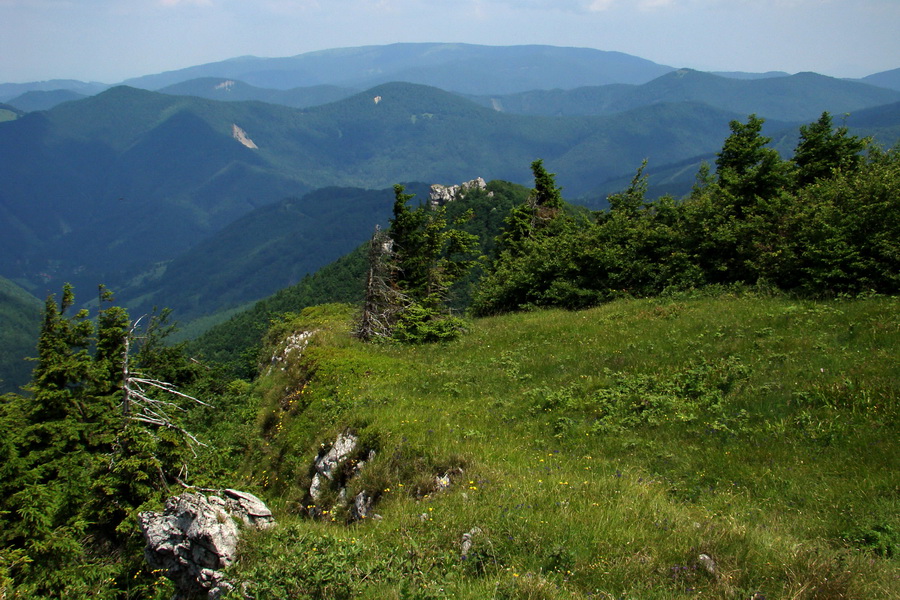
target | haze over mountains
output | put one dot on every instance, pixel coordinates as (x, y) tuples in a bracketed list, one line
[(199, 192), (463, 68)]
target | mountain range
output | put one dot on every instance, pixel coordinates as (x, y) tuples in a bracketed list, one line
[(180, 198), (471, 69), (463, 68), (131, 179)]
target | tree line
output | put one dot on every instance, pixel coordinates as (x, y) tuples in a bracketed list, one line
[(825, 222)]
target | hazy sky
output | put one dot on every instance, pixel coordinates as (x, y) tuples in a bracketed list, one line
[(111, 40)]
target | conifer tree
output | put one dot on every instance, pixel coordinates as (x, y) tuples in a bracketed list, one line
[(632, 199), (746, 168), (535, 236), (824, 149), (80, 462), (543, 205), (411, 273)]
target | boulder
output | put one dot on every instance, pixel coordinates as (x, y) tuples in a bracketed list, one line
[(196, 536), (249, 509)]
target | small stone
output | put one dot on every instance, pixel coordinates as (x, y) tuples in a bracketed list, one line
[(362, 504), (467, 542), (708, 563)]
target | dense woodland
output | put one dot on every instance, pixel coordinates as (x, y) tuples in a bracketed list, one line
[(114, 419)]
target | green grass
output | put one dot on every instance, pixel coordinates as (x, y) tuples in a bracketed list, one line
[(596, 454)]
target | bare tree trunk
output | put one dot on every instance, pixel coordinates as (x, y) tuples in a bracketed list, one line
[(140, 405), (383, 300)]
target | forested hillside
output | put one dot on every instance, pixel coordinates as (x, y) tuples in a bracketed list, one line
[(43, 100), (19, 324), (797, 97), (271, 248), (237, 342), (130, 180), (229, 90)]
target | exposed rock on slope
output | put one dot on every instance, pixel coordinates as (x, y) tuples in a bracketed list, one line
[(333, 468), (442, 194), (241, 136), (196, 536)]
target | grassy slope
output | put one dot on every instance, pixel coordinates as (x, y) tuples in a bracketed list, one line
[(603, 452)]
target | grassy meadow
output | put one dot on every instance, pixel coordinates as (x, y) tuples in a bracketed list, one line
[(723, 445)]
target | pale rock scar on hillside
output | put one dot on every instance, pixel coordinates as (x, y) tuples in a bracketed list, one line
[(241, 136)]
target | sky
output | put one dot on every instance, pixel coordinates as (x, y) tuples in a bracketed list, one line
[(112, 40)]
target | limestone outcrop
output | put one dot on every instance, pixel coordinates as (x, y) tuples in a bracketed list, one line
[(196, 536), (332, 470), (442, 194)]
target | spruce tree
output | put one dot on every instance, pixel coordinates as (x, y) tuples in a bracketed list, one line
[(747, 169), (824, 149), (543, 206), (79, 464), (408, 285)]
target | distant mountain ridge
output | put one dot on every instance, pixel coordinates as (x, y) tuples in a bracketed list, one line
[(887, 79), (464, 68), (230, 90), (799, 97), (328, 75), (44, 100), (85, 88)]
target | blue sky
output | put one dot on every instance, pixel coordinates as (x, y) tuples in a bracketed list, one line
[(112, 40)]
